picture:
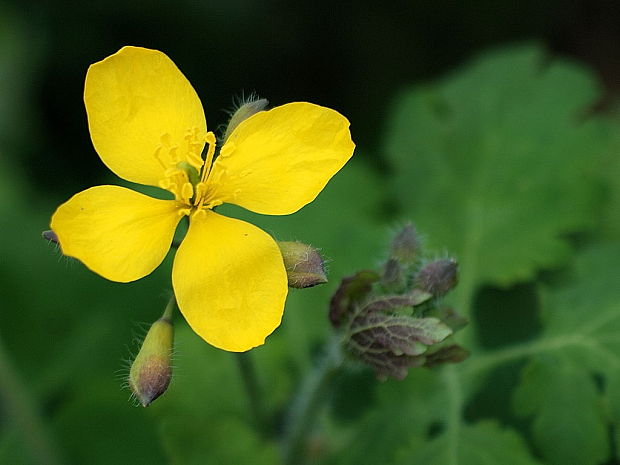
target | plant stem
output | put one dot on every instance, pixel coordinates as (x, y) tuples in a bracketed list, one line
[(253, 390), (19, 406), (307, 406)]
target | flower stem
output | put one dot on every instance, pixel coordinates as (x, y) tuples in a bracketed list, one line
[(14, 397), (307, 406), (253, 391)]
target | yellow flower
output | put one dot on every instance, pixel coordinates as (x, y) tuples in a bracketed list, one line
[(148, 126)]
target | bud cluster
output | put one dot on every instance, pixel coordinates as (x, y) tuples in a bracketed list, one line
[(394, 319)]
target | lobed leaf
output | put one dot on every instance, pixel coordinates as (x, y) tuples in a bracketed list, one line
[(494, 163)]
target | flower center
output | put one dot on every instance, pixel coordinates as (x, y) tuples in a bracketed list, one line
[(186, 173)]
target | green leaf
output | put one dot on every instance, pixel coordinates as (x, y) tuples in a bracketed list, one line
[(493, 163), (496, 163), (569, 424), (610, 219), (564, 389), (482, 444)]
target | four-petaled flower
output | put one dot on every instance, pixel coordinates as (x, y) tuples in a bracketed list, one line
[(148, 126)]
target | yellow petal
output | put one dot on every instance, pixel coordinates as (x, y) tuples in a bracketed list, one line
[(116, 232), (229, 281), (277, 161), (140, 106)]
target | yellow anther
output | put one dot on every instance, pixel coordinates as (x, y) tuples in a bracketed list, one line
[(201, 190), (157, 155), (173, 154), (227, 150), (197, 213), (212, 204), (206, 169), (194, 160), (187, 191)]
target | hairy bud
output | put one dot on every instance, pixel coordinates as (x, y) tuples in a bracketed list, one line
[(405, 245), (352, 290), (394, 319), (151, 371), (246, 110), (393, 277), (438, 277), (304, 265)]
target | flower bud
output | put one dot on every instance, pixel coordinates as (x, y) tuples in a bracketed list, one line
[(352, 290), (304, 265), (393, 277), (246, 110), (438, 277), (151, 371), (405, 245)]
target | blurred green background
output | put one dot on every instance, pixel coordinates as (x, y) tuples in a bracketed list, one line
[(508, 162)]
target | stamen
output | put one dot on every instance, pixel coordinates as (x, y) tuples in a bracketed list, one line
[(187, 191), (158, 156), (210, 140), (227, 150), (212, 204), (198, 213), (201, 189), (185, 172), (195, 141), (206, 169)]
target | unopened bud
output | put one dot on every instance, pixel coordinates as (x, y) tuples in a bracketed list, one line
[(405, 245), (352, 290), (393, 277), (244, 112), (50, 235), (438, 277), (304, 265), (151, 371)]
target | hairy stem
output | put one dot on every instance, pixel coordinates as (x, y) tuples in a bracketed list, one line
[(253, 391), (307, 405)]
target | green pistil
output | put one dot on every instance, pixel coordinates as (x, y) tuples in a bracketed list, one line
[(192, 173)]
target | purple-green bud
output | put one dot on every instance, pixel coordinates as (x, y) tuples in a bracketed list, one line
[(393, 277), (242, 113), (151, 371), (352, 290), (304, 265), (405, 245), (438, 277)]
